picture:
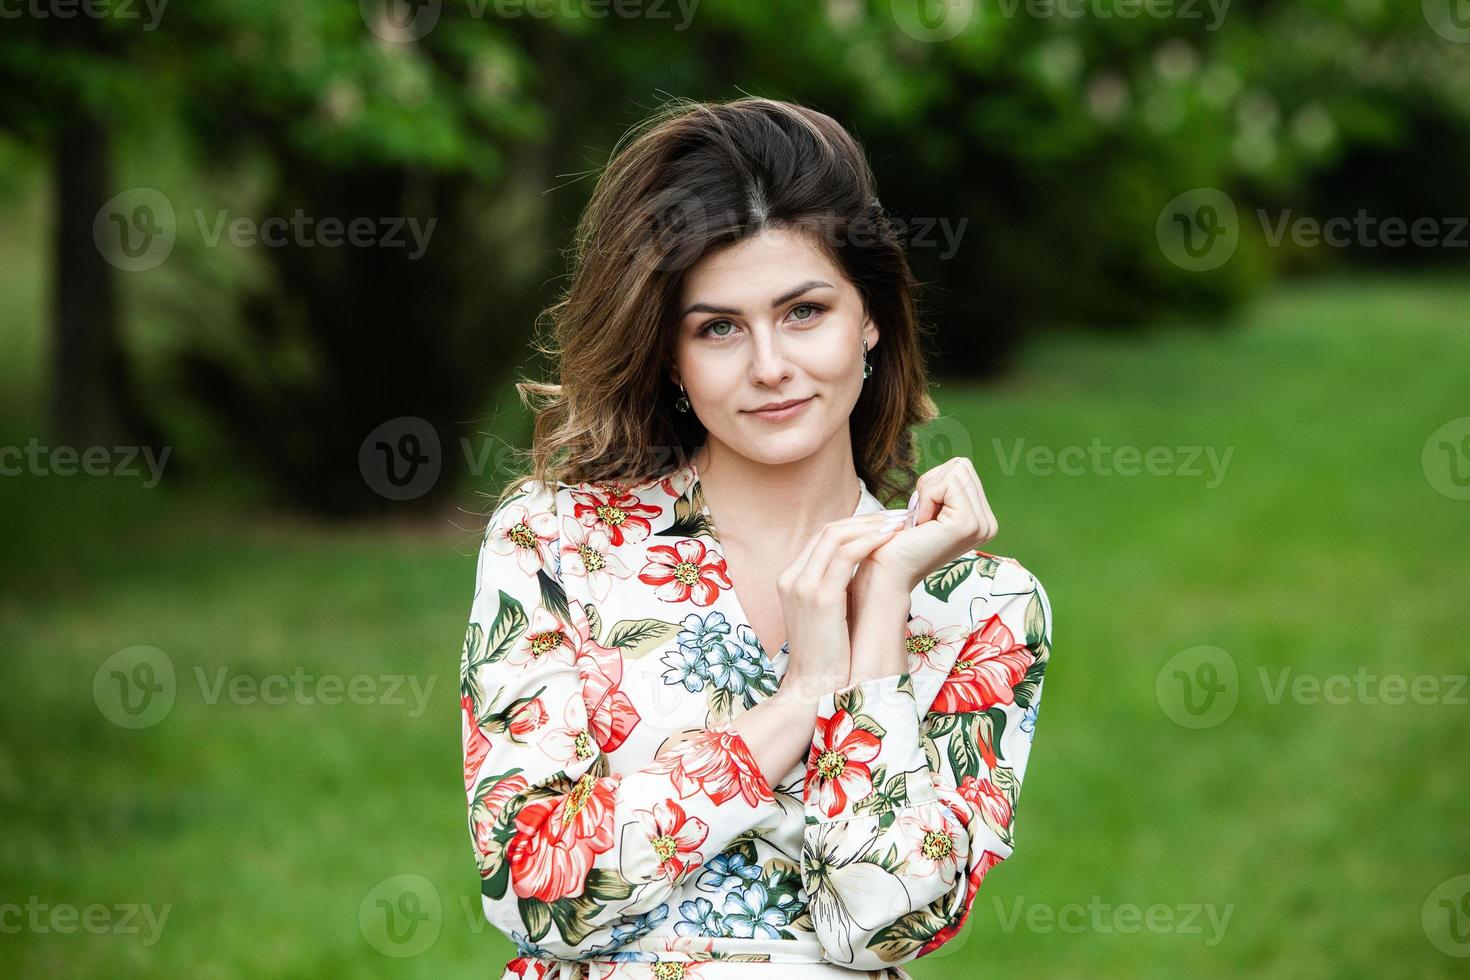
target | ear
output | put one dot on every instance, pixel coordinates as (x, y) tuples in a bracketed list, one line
[(870, 332)]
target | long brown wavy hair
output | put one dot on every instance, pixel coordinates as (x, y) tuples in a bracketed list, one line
[(692, 177)]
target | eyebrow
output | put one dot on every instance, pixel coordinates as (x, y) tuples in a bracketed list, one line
[(778, 301)]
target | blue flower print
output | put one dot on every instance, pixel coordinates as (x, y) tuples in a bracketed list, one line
[(727, 870), (733, 669), (699, 919), (687, 667), (751, 914), (526, 948), (1028, 720), (625, 932), (689, 663)]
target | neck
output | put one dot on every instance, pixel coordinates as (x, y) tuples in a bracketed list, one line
[(786, 500)]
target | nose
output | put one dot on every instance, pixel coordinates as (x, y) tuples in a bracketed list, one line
[(769, 366)]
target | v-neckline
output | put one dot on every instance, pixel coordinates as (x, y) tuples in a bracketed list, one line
[(695, 490)]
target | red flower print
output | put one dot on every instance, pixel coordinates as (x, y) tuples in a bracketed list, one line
[(988, 860), (987, 799), (528, 969), (987, 668), (611, 716), (529, 535), (718, 762), (527, 718), (686, 571), (836, 768), (933, 846), (933, 648), (557, 840), (545, 637), (589, 554), (674, 836), (613, 508), (476, 745), (572, 741), (486, 814)]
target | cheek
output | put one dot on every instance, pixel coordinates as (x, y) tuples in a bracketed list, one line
[(713, 376)]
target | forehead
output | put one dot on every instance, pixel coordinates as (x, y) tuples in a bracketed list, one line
[(758, 267)]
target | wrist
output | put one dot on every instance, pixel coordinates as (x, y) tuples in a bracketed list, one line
[(874, 583), (807, 688)]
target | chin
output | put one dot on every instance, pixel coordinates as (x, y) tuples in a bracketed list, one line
[(775, 448)]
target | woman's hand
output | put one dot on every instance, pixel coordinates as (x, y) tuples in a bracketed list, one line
[(814, 600), (951, 518)]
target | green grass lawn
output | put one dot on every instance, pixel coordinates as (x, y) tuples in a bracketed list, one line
[(1291, 839)]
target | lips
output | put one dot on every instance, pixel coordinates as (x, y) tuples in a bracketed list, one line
[(780, 405)]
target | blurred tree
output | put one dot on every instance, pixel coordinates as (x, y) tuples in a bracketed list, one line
[(66, 82), (1029, 158)]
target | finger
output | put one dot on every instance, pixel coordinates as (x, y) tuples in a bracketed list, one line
[(836, 540), (969, 484), (989, 526), (858, 522), (849, 555), (930, 490)]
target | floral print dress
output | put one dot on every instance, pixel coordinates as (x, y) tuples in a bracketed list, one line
[(621, 826)]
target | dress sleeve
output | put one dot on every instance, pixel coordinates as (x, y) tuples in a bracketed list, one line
[(910, 798), (576, 860)]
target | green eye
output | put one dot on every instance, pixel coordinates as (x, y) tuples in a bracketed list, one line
[(812, 311), (709, 327)]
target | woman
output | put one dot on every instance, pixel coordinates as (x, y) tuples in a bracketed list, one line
[(652, 792)]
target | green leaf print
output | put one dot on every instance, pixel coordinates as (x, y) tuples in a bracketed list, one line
[(510, 624), (537, 917), (690, 520), (907, 934), (607, 885), (636, 637), (1025, 691), (553, 596), (1035, 621), (944, 580)]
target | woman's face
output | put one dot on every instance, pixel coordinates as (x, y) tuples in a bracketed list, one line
[(764, 321)]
